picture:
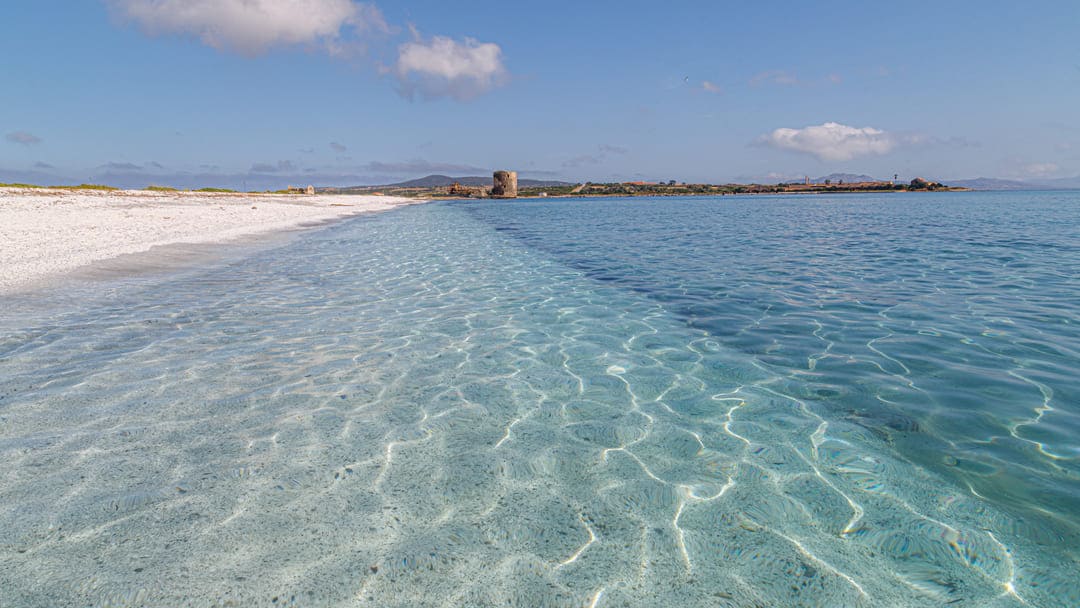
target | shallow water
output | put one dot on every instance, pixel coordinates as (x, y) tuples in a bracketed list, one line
[(709, 402)]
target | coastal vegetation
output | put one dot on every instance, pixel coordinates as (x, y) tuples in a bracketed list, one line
[(445, 187), (670, 188), (533, 189), (682, 189), (79, 187), (89, 187)]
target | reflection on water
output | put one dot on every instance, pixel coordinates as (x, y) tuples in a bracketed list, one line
[(764, 402)]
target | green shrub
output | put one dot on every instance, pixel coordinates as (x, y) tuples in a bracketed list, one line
[(87, 187)]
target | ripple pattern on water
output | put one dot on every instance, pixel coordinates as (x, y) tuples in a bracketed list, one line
[(413, 409)]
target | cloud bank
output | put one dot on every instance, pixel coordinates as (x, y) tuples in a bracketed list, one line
[(832, 141), (443, 67)]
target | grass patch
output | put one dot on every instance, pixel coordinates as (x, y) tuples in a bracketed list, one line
[(86, 187), (216, 190), (161, 189), (79, 187)]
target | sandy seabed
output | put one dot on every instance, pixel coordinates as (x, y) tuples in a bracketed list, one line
[(45, 233)]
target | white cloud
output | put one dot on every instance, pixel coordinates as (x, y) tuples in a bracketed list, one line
[(790, 79), (119, 166), (780, 77), (251, 27), (610, 149), (22, 137), (710, 87), (832, 141), (444, 67), (419, 165), (438, 67), (772, 177), (580, 161), (282, 166), (604, 151), (1040, 169)]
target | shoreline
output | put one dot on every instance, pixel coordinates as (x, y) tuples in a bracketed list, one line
[(49, 234), (748, 193), (687, 194)]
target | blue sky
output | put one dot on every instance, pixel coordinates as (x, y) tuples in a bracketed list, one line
[(262, 93)]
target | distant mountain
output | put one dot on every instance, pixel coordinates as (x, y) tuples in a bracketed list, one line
[(989, 183), (847, 178), (1064, 183), (442, 181)]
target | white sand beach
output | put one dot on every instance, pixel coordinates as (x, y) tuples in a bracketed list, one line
[(45, 233)]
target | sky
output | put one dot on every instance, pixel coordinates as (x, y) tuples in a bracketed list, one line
[(260, 94)]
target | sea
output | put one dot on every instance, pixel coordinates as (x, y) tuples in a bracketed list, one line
[(814, 400)]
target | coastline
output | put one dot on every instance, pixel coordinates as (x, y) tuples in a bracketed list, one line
[(693, 194), (46, 234)]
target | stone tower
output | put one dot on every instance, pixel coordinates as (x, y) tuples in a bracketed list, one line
[(505, 185)]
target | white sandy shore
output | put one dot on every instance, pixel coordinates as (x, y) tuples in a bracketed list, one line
[(45, 233)]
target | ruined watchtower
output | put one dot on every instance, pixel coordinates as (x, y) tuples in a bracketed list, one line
[(505, 185)]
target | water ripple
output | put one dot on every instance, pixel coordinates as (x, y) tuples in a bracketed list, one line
[(826, 406)]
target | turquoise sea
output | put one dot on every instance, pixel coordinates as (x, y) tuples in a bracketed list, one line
[(857, 400)]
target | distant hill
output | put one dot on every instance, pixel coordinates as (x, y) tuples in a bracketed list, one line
[(1064, 183), (990, 183), (847, 178), (442, 181)]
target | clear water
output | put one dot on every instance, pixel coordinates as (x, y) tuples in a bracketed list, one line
[(856, 401)]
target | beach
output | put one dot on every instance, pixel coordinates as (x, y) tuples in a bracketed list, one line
[(45, 233)]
